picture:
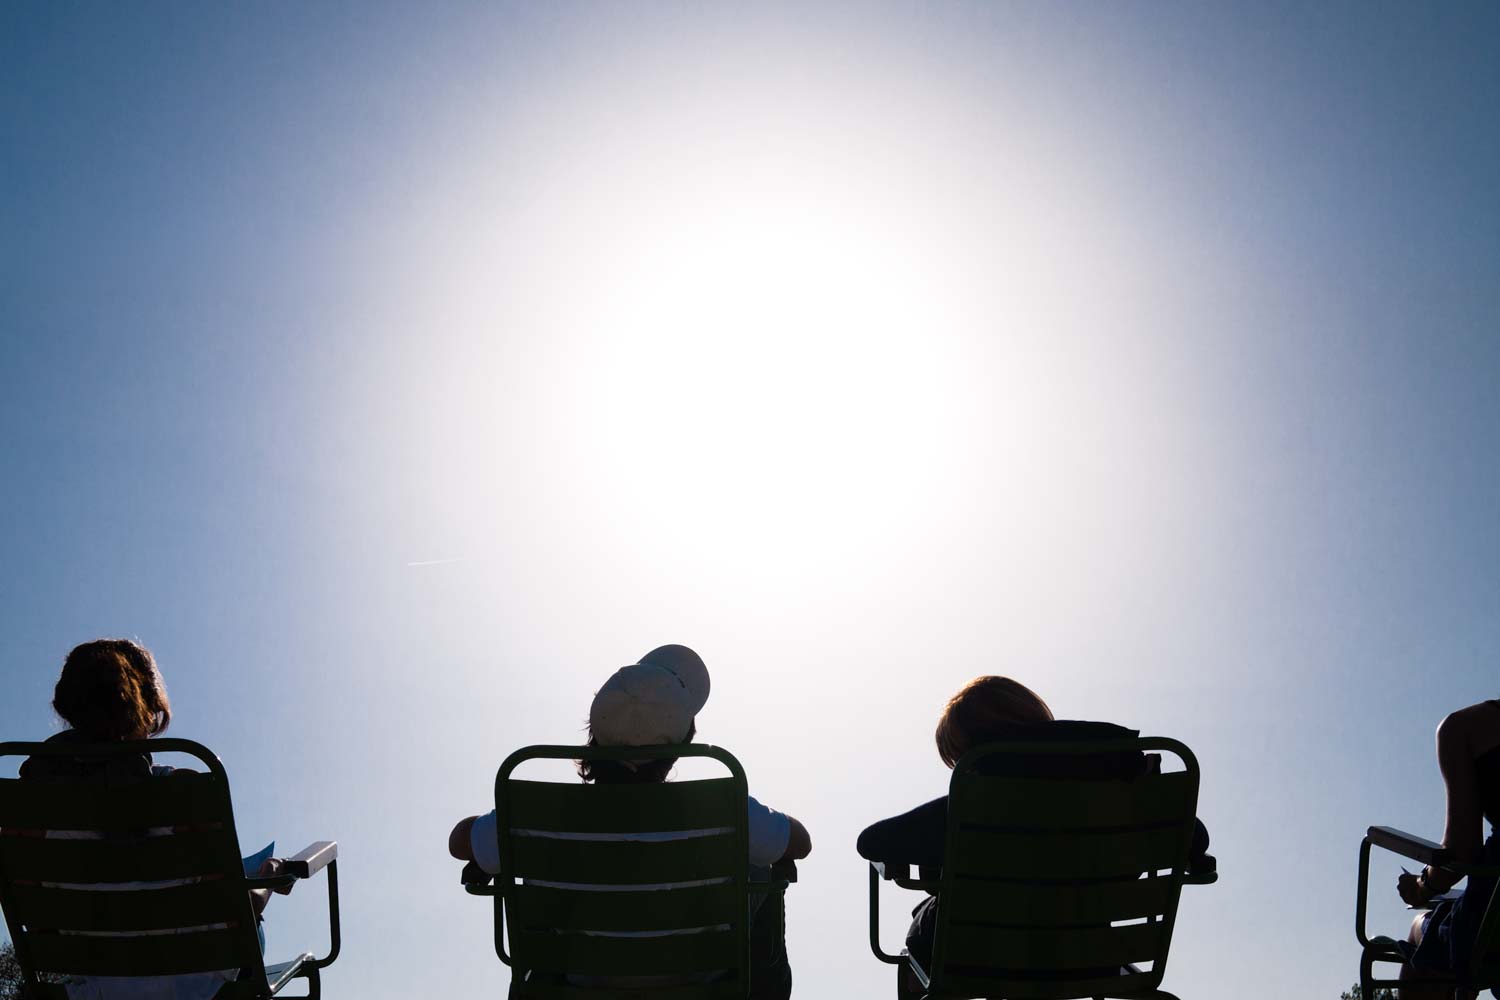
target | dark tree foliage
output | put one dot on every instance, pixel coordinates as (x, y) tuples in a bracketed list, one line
[(10, 973), (1355, 993)]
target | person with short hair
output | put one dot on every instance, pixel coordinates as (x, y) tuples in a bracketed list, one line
[(655, 702), (993, 709)]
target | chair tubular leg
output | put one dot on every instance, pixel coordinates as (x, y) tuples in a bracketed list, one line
[(875, 921)]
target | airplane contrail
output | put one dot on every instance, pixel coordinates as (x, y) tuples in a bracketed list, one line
[(439, 562)]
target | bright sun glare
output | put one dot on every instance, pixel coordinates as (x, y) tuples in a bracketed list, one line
[(773, 344), (794, 367)]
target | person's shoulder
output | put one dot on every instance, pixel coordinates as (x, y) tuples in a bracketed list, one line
[(42, 767), (764, 817), (757, 806), (1459, 726)]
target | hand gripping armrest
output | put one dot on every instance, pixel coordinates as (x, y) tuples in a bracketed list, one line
[(304, 864), (1397, 842)]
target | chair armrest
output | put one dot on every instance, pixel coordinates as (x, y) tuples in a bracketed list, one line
[(312, 859), (1410, 846), (478, 882), (320, 856), (928, 880), (1203, 871), (779, 878)]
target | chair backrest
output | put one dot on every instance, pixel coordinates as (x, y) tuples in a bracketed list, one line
[(123, 876), (617, 882), (1053, 878), (1484, 964)]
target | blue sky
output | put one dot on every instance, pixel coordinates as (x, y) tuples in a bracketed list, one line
[(1146, 354)]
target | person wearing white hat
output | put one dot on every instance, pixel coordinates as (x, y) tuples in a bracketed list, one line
[(656, 701), (652, 702)]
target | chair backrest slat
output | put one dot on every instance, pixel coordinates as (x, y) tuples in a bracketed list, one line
[(1043, 888), (678, 805), (1043, 804), (1049, 987), (622, 862), (1065, 855), (45, 908), (631, 912), (116, 859), (156, 955), (1058, 904), (178, 799), (1025, 950), (549, 952)]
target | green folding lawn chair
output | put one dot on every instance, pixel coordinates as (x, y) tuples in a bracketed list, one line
[(1483, 972), (63, 893), (613, 891), (1054, 887)]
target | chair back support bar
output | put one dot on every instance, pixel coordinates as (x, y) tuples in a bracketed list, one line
[(1052, 884)]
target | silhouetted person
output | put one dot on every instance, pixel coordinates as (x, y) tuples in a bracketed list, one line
[(654, 702), (111, 691), (1442, 938), (990, 710)]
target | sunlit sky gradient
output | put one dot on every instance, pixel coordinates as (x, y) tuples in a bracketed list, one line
[(1146, 353)]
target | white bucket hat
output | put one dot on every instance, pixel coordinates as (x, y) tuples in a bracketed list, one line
[(650, 702)]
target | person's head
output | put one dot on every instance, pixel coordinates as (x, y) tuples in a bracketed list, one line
[(650, 703), (110, 690), (630, 772), (982, 711)]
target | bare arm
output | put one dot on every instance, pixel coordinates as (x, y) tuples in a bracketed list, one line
[(1463, 822), (798, 844), (260, 897), (459, 844)]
